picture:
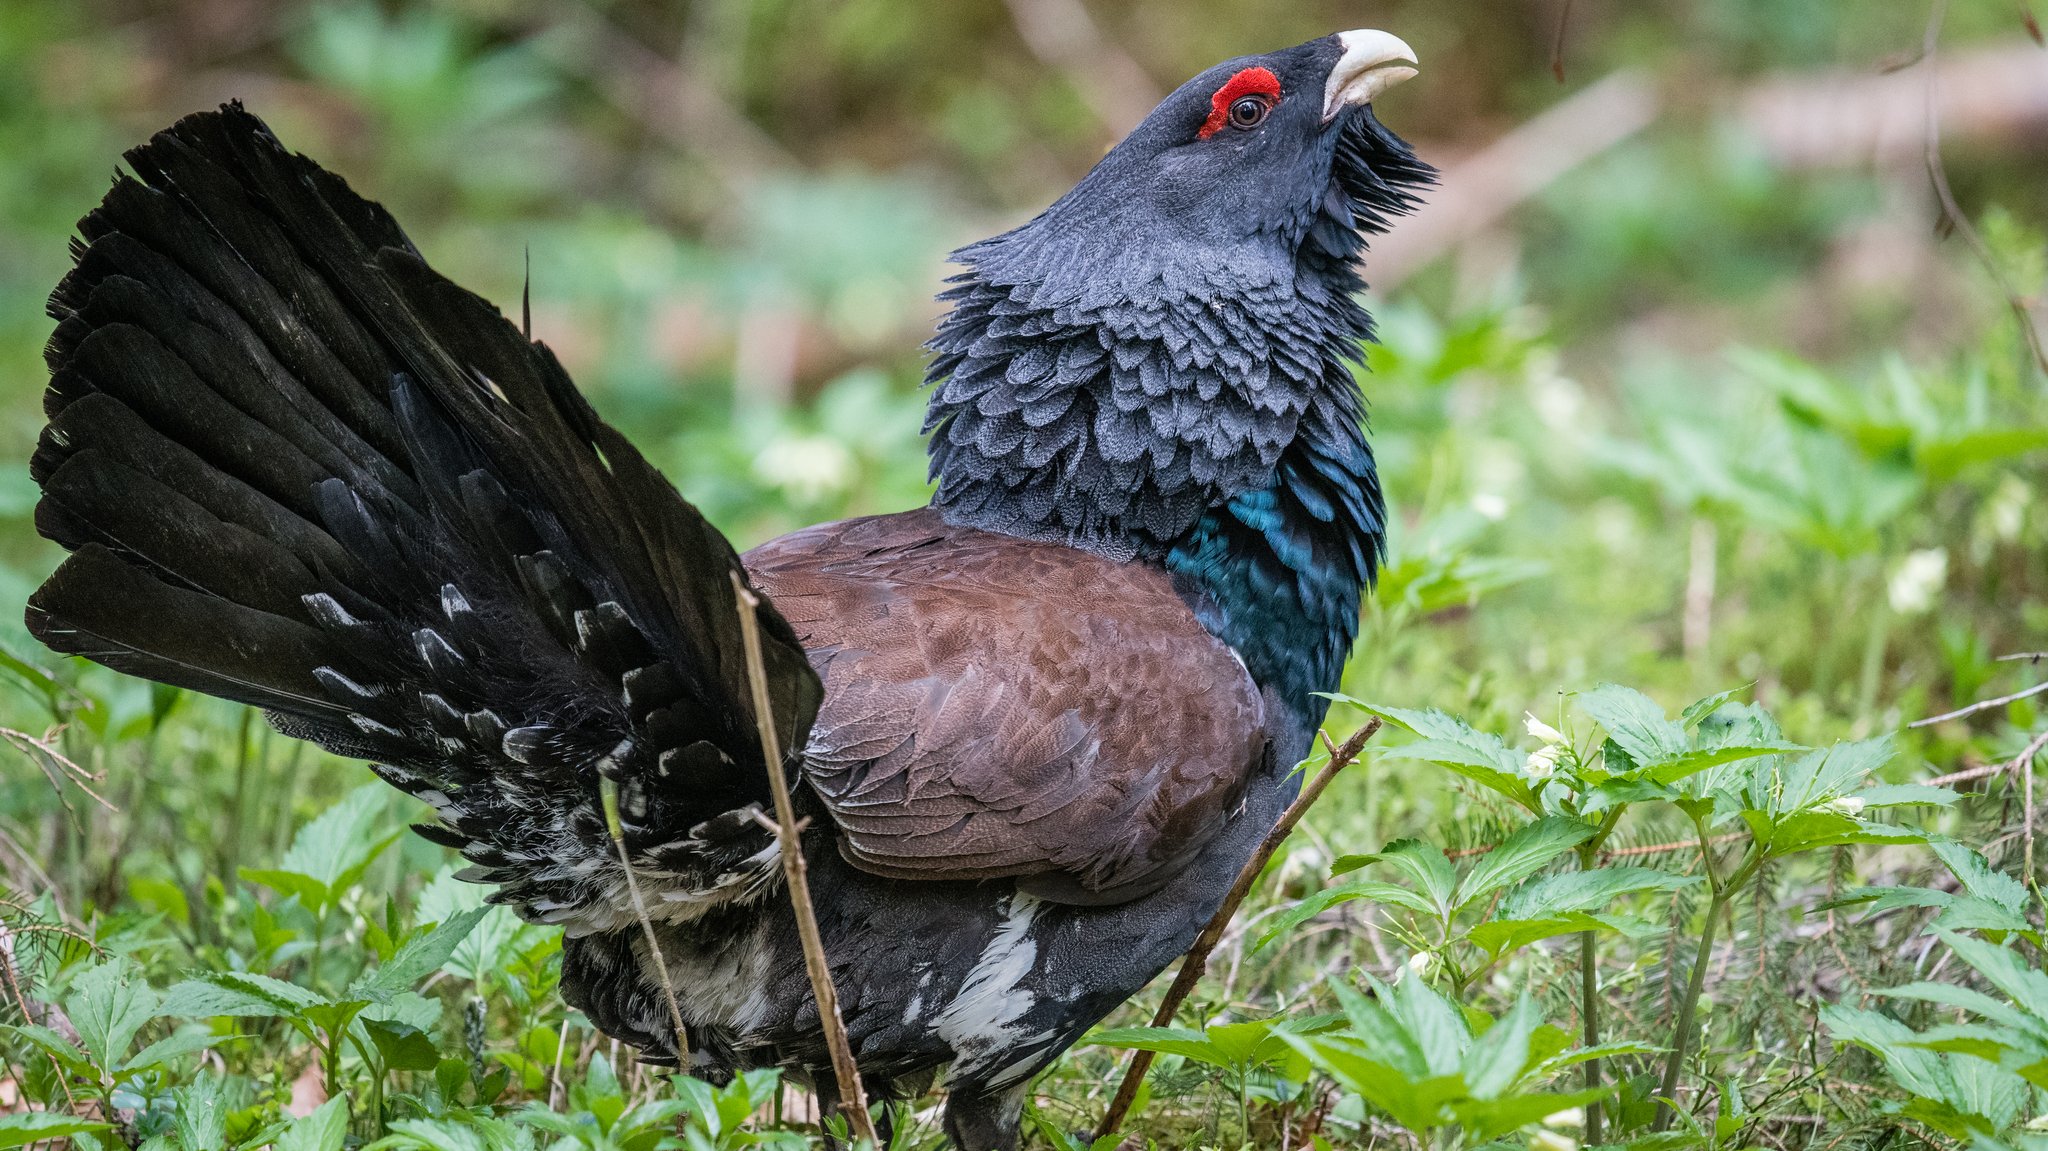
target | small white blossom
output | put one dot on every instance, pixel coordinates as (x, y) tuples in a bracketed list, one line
[(1542, 730), (1552, 1141), (1917, 580), (1542, 763), (1571, 1118), (1422, 963), (1490, 506), (1844, 805)]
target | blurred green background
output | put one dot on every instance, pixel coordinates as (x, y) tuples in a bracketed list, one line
[(1683, 384)]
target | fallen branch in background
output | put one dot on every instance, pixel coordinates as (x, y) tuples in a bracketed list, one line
[(1197, 959), (853, 1099), (1476, 192), (1953, 219)]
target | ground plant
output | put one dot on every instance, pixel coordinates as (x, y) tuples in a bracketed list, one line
[(1709, 649)]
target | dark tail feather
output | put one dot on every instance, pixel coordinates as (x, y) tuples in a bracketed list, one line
[(299, 469)]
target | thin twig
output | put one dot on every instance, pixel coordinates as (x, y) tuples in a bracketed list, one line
[(1564, 17), (608, 792), (1967, 774), (1198, 955), (853, 1099), (2023, 766), (1952, 213), (1982, 705)]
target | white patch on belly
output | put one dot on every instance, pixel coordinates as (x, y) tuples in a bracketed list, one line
[(981, 1023)]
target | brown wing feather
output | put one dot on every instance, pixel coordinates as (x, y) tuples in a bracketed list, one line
[(1001, 707)]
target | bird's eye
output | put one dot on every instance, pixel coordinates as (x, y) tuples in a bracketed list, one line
[(1249, 111)]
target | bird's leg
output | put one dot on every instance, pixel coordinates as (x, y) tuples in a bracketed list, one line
[(985, 1120), (880, 1091)]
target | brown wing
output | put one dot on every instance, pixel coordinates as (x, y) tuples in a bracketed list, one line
[(1000, 707)]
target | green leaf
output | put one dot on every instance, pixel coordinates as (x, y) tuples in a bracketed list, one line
[(2021, 983), (1435, 1022), (1287, 921), (1671, 769), (184, 1041), (1634, 722), (1978, 877), (418, 957), (403, 1046), (1498, 1057), (1451, 743), (1696, 712), (107, 1006), (202, 1113), (1531, 847), (1906, 795), (326, 1129), (1586, 890), (329, 855), (21, 1128), (1424, 864), (240, 994)]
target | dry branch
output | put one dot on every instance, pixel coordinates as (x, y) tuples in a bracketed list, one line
[(1197, 959), (853, 1098)]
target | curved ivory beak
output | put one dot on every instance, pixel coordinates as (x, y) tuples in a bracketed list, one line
[(1373, 62)]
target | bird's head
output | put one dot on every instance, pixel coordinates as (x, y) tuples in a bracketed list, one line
[(1233, 169), (1151, 345)]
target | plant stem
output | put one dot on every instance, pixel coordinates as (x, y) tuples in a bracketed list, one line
[(1589, 1011), (1681, 1037)]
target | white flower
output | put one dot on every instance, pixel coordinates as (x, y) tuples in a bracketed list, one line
[(1917, 580), (1490, 506), (1844, 805), (1571, 1118), (1542, 763), (1552, 1141), (1542, 730), (1422, 963)]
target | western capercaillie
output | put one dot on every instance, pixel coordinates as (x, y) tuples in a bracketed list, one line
[(1035, 728)]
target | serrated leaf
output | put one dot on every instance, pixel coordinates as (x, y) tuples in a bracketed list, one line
[(1590, 890), (184, 1041), (334, 850), (107, 1006), (1529, 849), (239, 994), (1499, 1055), (1423, 864), (1287, 921), (2023, 984), (418, 957), (402, 1046), (1978, 877), (326, 1129), (1634, 722), (1696, 712), (19, 1129), (1906, 795), (1672, 768)]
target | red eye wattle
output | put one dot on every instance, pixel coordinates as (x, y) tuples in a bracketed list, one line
[(1243, 101)]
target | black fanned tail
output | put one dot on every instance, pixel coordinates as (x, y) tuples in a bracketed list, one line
[(299, 469)]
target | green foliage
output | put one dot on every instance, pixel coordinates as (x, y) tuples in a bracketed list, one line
[(1673, 425)]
